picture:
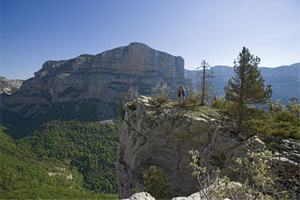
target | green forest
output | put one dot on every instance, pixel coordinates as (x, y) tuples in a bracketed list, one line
[(60, 159)]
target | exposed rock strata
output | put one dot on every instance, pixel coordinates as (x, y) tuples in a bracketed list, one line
[(9, 86), (152, 134), (104, 77)]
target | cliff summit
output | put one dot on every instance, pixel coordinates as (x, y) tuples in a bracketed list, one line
[(102, 77), (163, 134)]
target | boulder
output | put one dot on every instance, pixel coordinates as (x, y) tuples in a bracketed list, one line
[(141, 196)]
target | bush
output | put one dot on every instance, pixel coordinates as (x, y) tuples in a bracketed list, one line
[(284, 125), (155, 183), (255, 167), (287, 117), (162, 93), (193, 96)]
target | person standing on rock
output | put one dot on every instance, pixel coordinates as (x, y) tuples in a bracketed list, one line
[(179, 92), (183, 93)]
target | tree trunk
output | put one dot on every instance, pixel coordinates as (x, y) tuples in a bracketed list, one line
[(241, 106), (203, 86)]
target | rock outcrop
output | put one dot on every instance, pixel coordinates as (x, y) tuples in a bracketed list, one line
[(103, 77), (163, 135), (141, 196), (9, 86)]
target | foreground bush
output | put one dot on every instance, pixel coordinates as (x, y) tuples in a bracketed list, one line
[(155, 183), (162, 93), (256, 171)]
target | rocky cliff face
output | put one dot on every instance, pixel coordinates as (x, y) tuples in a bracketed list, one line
[(162, 135), (103, 77), (9, 86)]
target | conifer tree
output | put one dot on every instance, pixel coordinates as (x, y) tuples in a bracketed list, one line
[(247, 87), (155, 183)]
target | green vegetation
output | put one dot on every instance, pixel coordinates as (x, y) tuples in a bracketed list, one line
[(84, 150), (284, 125), (259, 179), (122, 108), (162, 93), (89, 146), (155, 183), (86, 110), (247, 87), (280, 121), (255, 170), (24, 175)]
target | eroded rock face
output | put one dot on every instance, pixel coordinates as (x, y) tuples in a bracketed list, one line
[(104, 77), (9, 86), (163, 135)]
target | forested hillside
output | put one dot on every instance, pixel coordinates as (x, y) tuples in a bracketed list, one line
[(61, 159)]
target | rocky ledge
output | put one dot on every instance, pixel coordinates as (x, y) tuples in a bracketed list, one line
[(162, 135)]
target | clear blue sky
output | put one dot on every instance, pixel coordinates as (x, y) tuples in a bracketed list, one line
[(34, 31)]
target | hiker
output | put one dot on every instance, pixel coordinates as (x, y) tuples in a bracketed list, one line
[(183, 93), (215, 98), (179, 92)]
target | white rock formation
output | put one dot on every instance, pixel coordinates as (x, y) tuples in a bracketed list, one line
[(162, 135)]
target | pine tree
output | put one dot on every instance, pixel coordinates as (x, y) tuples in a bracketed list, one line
[(155, 183), (247, 87)]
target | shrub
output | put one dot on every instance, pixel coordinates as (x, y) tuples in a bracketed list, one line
[(284, 125), (258, 184), (211, 186), (287, 117), (193, 96), (155, 183), (260, 180), (162, 93)]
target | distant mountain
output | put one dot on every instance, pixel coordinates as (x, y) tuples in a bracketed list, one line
[(103, 77), (284, 80), (89, 87), (9, 86)]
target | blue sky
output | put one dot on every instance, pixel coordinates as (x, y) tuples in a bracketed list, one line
[(34, 31)]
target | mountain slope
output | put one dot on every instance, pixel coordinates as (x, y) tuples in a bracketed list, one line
[(89, 147), (23, 175), (103, 77), (284, 80)]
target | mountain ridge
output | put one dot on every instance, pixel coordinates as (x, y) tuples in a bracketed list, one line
[(283, 79), (104, 76)]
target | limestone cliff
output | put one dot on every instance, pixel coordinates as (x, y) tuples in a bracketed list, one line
[(9, 86), (162, 135), (103, 77)]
